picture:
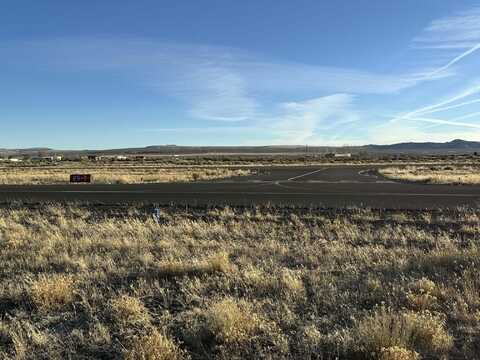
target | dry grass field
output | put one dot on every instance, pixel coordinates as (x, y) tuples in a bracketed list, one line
[(439, 174), (83, 282), (21, 175)]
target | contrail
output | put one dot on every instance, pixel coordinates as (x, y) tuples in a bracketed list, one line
[(468, 116), (441, 106), (451, 107), (443, 122), (452, 62), (426, 109)]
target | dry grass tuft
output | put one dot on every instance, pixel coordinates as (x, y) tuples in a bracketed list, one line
[(424, 285), (398, 353), (154, 346), (232, 321), (423, 294), (129, 310), (420, 332), (53, 292), (217, 263)]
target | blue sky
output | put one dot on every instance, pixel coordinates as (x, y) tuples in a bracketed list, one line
[(102, 74)]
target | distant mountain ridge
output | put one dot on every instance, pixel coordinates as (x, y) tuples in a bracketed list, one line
[(455, 146)]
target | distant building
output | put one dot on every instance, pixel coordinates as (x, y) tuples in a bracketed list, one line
[(14, 160), (121, 157), (343, 155), (338, 155), (94, 158)]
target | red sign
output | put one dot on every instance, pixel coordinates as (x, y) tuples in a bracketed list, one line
[(80, 178)]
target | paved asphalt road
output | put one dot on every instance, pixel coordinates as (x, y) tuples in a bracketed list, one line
[(327, 186)]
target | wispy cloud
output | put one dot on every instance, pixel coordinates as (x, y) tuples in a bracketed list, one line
[(205, 71), (216, 93), (460, 31), (294, 123), (302, 122)]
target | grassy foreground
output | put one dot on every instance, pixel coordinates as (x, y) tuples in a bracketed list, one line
[(440, 174), (18, 175), (80, 282)]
